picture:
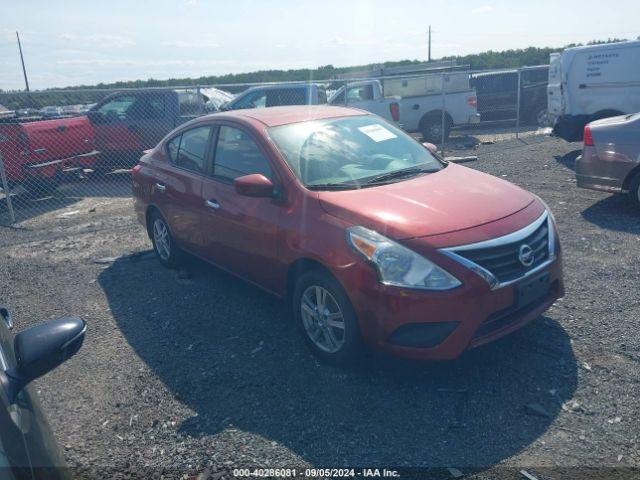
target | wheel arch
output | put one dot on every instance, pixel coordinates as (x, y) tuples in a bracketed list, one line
[(147, 217), (435, 114), (297, 268)]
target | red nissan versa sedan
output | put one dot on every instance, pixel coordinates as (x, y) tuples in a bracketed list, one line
[(370, 236)]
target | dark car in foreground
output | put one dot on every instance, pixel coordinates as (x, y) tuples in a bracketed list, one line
[(370, 237), (28, 449), (610, 159)]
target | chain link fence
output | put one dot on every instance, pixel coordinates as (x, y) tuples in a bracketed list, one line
[(58, 147)]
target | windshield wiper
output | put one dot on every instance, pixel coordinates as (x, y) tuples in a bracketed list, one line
[(333, 186), (403, 172)]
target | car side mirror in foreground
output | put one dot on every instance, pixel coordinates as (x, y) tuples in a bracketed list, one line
[(40, 349), (254, 185), (431, 147)]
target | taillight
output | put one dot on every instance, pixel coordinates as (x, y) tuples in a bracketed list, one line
[(472, 101), (394, 108), (588, 139)]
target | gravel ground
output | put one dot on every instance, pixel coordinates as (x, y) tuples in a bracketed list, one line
[(201, 372)]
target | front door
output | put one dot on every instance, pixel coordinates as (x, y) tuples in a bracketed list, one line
[(241, 232)]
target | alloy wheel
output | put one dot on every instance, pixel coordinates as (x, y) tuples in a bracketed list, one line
[(323, 319), (161, 239)]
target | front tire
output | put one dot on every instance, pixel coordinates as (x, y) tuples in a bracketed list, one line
[(163, 243), (326, 318)]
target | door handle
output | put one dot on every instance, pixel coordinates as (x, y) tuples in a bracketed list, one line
[(213, 204), (160, 187)]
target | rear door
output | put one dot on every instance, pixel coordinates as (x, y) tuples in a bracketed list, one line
[(241, 232), (555, 102), (178, 185)]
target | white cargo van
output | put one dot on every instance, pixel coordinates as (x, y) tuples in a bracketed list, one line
[(592, 82)]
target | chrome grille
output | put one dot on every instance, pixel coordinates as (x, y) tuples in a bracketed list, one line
[(499, 258)]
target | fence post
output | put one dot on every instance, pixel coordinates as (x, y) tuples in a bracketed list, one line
[(7, 192), (442, 125), (346, 87), (518, 104)]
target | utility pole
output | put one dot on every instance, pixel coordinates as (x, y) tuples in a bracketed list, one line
[(24, 70), (429, 59)]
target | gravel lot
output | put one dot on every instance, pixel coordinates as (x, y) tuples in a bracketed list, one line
[(204, 373)]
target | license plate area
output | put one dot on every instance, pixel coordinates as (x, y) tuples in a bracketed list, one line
[(532, 290)]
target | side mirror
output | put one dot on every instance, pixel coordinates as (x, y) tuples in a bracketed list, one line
[(254, 185), (40, 349), (431, 147)]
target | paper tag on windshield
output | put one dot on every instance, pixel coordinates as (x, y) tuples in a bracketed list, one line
[(377, 132)]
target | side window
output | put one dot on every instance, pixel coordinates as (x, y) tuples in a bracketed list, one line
[(360, 94), (147, 107), (117, 107), (252, 100), (238, 155), (286, 96), (172, 149), (189, 149)]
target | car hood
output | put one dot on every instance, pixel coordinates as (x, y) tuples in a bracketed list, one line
[(452, 199)]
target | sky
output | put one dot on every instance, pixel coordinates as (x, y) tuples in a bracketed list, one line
[(73, 42)]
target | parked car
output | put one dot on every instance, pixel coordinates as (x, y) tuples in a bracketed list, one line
[(37, 153), (51, 111), (498, 95), (367, 95), (278, 95), (593, 82), (127, 123), (369, 236), (28, 449), (610, 159)]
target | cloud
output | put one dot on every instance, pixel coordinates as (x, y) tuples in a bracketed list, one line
[(483, 9), (186, 44), (342, 42), (68, 36), (190, 3), (109, 41)]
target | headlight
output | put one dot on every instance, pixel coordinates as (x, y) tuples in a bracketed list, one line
[(397, 265)]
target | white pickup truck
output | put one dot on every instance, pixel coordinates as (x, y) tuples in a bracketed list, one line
[(419, 104)]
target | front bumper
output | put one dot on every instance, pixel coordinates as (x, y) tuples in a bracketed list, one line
[(479, 315)]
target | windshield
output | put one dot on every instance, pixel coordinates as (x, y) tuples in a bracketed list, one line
[(350, 151)]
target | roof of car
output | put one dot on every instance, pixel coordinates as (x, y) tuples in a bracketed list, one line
[(274, 116)]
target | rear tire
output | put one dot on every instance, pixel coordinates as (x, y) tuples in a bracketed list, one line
[(634, 190), (432, 129), (164, 245), (326, 318)]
